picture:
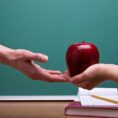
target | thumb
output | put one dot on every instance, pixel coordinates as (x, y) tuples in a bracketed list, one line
[(79, 78), (40, 57), (36, 56)]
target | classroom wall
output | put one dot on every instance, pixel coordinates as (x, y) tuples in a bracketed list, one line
[(49, 27)]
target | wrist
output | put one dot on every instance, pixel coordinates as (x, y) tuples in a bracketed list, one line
[(112, 72), (103, 71), (6, 55)]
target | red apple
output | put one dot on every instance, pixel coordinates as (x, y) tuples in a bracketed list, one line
[(80, 56)]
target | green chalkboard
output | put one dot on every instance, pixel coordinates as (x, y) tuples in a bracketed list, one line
[(49, 27)]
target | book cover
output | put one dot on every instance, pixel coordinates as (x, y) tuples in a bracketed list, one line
[(76, 109)]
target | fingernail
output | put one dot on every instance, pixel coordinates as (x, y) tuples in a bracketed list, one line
[(45, 58)]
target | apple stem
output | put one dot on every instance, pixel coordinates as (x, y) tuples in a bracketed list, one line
[(83, 41)]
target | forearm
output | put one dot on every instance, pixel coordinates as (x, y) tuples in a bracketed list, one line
[(112, 72), (5, 54)]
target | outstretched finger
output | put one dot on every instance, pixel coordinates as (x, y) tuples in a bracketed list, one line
[(67, 72), (67, 77), (57, 78), (54, 72)]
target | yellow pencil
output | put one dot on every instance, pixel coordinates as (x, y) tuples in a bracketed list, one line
[(105, 99)]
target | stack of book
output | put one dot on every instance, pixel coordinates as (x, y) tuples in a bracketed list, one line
[(98, 102)]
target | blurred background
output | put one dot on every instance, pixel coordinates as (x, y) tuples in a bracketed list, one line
[(50, 27)]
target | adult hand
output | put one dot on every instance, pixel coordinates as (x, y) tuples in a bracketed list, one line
[(22, 60)]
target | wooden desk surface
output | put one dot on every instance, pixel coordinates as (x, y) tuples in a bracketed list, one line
[(34, 110)]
